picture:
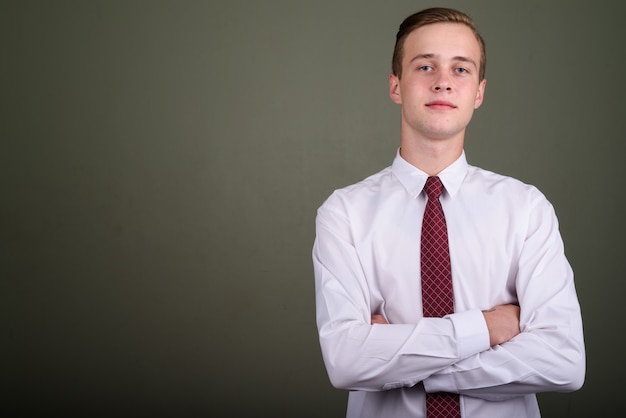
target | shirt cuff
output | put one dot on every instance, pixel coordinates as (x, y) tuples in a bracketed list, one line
[(471, 332), (472, 337)]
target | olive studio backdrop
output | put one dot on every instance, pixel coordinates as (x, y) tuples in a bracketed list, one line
[(162, 163)]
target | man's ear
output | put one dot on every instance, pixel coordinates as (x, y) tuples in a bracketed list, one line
[(394, 89), (480, 94)]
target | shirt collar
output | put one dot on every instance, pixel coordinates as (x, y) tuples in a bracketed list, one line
[(413, 179)]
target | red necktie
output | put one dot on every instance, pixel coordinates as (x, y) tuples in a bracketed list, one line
[(437, 293)]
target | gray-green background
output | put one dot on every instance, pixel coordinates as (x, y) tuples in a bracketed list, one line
[(162, 163)]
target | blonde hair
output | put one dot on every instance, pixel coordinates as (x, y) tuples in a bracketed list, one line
[(428, 17)]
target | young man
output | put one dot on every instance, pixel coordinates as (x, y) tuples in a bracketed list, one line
[(514, 327)]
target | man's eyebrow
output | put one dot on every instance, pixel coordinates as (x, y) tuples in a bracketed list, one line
[(422, 56), (465, 59)]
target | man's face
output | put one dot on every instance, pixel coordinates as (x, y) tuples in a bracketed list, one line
[(439, 88)]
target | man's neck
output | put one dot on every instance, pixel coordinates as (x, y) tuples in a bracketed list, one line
[(431, 156)]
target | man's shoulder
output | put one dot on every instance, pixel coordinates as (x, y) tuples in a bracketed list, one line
[(369, 183), (502, 184), (362, 189), (489, 177)]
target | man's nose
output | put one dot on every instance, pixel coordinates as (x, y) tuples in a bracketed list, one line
[(442, 83)]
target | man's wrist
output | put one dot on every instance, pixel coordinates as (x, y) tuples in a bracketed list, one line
[(470, 329)]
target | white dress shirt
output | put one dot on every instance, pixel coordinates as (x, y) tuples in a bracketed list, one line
[(505, 247)]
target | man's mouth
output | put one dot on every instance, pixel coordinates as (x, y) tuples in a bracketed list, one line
[(440, 105)]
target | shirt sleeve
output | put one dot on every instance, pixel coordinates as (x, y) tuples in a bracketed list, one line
[(549, 353), (360, 356)]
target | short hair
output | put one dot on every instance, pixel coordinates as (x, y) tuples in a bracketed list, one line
[(428, 17)]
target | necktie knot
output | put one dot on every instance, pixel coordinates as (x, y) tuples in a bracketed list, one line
[(433, 187)]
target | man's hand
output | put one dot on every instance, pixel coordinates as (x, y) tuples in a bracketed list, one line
[(378, 319), (503, 323)]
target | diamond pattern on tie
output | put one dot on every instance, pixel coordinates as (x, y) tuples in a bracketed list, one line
[(437, 292), (443, 405)]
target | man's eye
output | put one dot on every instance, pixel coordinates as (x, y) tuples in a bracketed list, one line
[(461, 70), (425, 68)]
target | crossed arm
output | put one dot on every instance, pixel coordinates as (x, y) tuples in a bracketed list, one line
[(502, 322)]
